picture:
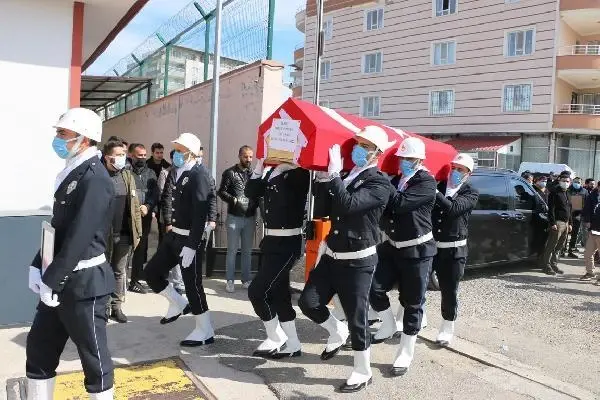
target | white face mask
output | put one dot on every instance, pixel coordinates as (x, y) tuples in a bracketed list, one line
[(564, 185), (119, 162)]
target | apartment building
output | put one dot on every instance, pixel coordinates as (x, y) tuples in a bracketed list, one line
[(509, 80)]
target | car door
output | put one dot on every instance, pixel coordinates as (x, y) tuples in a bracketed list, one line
[(522, 201), (489, 225)]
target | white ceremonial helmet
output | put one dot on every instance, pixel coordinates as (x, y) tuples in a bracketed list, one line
[(465, 160), (377, 136), (82, 121), (189, 141), (412, 147)]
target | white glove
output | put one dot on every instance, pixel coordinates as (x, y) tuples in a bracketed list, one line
[(335, 160), (320, 252), (259, 168), (48, 298), (35, 278), (187, 256)]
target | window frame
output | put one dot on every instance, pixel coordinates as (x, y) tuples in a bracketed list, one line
[(366, 18), (434, 9), (364, 62), (524, 29), (323, 62), (432, 51), (326, 20), (504, 97), (431, 114), (324, 101), (362, 109)]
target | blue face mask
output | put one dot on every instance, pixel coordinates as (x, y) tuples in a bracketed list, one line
[(178, 159), (60, 147), (359, 156), (542, 184), (456, 177), (577, 186), (407, 167)]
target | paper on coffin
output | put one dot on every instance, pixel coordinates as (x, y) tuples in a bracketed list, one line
[(302, 133)]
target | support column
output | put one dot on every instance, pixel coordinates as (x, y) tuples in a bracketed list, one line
[(270, 25), (166, 79), (76, 55), (206, 48)]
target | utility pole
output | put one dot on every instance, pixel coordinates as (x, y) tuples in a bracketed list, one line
[(214, 124)]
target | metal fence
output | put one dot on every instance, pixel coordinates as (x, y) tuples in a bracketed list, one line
[(180, 53)]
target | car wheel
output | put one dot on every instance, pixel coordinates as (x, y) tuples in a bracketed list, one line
[(434, 284)]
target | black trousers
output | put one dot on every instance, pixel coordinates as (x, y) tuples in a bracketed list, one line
[(167, 257), (352, 286), (140, 254), (84, 321), (450, 270), (412, 277), (269, 291), (575, 232)]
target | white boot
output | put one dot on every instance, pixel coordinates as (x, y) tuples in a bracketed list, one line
[(361, 374), (338, 334), (106, 395), (276, 338), (446, 333), (404, 357), (202, 334), (40, 389), (424, 319), (338, 310), (387, 328), (400, 319), (293, 347), (177, 304)]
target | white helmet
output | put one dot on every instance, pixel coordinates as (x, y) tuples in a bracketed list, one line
[(412, 147), (465, 160), (82, 121), (377, 136), (189, 141)]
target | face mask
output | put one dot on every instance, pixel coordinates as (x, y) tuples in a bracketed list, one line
[(178, 159), (456, 177), (407, 167), (359, 156), (563, 185), (577, 186), (119, 162), (60, 147), (542, 184), (139, 162)]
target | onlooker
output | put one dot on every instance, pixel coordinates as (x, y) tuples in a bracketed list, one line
[(126, 226), (559, 217), (591, 219), (540, 222), (590, 184), (157, 161), (147, 192), (576, 189), (241, 220), (528, 176), (539, 184)]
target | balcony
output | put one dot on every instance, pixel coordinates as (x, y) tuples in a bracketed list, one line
[(581, 15), (579, 65), (297, 92), (301, 19), (568, 5), (577, 116)]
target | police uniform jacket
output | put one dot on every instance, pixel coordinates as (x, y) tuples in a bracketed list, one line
[(192, 195), (81, 218), (285, 198), (166, 199), (451, 216), (354, 211), (408, 214)]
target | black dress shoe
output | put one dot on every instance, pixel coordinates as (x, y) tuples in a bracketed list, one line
[(374, 321), (549, 271), (326, 355), (348, 344), (279, 356), (196, 343), (265, 353), (398, 371), (397, 335), (186, 310), (345, 388), (377, 341), (137, 287), (558, 270), (117, 315)]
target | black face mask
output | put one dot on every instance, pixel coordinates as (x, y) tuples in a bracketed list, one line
[(139, 162)]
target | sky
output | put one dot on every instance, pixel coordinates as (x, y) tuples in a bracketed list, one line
[(157, 12)]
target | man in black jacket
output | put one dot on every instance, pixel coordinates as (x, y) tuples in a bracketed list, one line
[(406, 255), (241, 217), (559, 219), (591, 218), (147, 192), (576, 189), (75, 286), (455, 200)]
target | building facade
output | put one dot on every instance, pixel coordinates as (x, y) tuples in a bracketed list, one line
[(458, 68)]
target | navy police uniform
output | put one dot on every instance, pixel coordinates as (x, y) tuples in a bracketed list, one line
[(451, 229), (191, 200), (81, 277), (406, 254), (350, 258)]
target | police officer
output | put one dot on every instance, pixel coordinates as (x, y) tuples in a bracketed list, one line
[(455, 199), (192, 196), (348, 256), (406, 255), (285, 190), (75, 287)]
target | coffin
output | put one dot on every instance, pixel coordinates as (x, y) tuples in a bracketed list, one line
[(302, 133)]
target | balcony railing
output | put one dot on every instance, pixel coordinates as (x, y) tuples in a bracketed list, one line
[(580, 50), (589, 109)]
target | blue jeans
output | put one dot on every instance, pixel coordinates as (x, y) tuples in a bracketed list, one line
[(239, 228)]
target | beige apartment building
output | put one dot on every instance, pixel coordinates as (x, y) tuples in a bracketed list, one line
[(506, 80)]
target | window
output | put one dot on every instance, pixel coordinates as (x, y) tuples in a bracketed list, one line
[(486, 159), (373, 63), (328, 28), (370, 106), (445, 7), (441, 102), (444, 53), (520, 43), (511, 1), (325, 70), (324, 103), (374, 19), (523, 194), (516, 98), (492, 192)]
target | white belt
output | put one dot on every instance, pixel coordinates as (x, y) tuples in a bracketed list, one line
[(413, 242), (283, 232), (179, 231), (450, 245), (595, 233), (352, 255), (92, 262)]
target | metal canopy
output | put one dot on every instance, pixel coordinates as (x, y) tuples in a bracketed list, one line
[(101, 91)]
